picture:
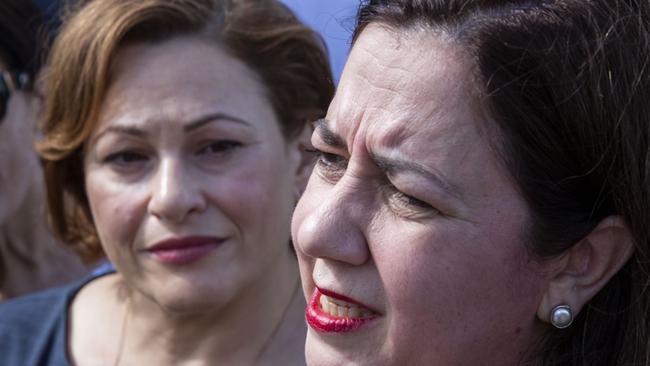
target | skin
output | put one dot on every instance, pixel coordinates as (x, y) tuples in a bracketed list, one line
[(20, 170), (441, 255), (153, 173), (30, 258)]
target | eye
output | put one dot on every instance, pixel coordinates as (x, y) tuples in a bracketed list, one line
[(219, 147), (125, 158), (408, 206), (330, 167), (126, 161)]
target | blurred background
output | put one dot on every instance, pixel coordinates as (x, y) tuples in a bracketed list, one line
[(333, 19)]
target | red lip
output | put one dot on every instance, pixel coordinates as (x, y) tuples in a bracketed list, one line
[(184, 250), (323, 322)]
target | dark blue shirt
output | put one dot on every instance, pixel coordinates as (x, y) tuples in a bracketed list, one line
[(34, 328)]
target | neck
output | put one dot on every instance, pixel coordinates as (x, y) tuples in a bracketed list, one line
[(244, 332)]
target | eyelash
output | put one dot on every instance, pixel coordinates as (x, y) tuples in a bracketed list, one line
[(407, 206), (224, 147), (124, 155), (330, 166)]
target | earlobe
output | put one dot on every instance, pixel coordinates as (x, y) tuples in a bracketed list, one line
[(580, 273)]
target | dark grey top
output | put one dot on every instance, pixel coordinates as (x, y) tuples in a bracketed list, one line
[(34, 328)]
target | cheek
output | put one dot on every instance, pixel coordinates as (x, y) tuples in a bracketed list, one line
[(258, 197), (451, 283), (117, 210)]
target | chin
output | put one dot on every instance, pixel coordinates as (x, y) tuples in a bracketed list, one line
[(319, 353), (194, 303), (185, 296)]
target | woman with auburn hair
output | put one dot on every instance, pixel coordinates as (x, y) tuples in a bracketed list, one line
[(482, 195), (30, 257), (174, 144)]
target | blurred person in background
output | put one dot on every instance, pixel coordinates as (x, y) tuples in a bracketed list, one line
[(30, 257), (175, 144)]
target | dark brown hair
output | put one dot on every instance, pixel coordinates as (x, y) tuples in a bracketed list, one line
[(288, 57), (22, 33), (568, 84)]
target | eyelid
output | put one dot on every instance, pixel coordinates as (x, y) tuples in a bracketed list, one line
[(112, 157), (329, 171), (407, 206), (227, 145)]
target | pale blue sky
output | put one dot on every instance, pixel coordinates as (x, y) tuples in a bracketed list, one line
[(334, 20)]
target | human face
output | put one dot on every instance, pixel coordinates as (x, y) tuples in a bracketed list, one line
[(189, 178), (409, 222), (19, 167)]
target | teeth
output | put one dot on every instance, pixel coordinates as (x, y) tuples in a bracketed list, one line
[(354, 312), (342, 309)]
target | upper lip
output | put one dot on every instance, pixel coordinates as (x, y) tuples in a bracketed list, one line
[(184, 242), (334, 295)]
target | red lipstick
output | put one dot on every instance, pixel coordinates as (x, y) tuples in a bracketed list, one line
[(184, 250), (324, 322)]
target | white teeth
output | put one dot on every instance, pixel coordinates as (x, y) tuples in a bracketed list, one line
[(342, 309), (354, 312)]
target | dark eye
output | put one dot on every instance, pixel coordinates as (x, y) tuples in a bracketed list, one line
[(126, 162), (330, 166), (220, 147), (125, 158)]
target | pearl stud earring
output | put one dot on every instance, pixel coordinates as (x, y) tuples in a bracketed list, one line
[(561, 316)]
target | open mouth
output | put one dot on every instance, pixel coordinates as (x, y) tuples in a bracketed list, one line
[(333, 313), (341, 308)]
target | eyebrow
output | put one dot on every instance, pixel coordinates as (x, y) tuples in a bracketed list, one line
[(385, 164), (194, 125), (327, 135), (394, 166)]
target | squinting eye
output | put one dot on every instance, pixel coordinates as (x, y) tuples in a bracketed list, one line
[(408, 206), (330, 166), (220, 147), (410, 201)]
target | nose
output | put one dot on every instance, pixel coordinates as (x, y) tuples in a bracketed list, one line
[(334, 223), (175, 192)]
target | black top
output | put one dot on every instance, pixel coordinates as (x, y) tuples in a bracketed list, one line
[(34, 328)]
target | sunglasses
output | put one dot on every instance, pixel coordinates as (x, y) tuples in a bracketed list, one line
[(10, 82)]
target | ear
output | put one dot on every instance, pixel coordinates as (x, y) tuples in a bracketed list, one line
[(302, 159), (585, 268)]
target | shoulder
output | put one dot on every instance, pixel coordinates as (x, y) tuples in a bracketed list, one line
[(32, 328)]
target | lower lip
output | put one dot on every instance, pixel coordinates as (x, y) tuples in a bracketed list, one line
[(326, 323), (183, 255)]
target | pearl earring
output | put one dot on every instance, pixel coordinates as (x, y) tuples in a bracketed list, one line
[(561, 316)]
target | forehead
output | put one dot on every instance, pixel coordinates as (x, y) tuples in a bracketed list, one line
[(178, 79), (400, 84)]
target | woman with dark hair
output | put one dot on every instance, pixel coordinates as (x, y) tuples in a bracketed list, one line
[(174, 136), (482, 194), (30, 257)]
